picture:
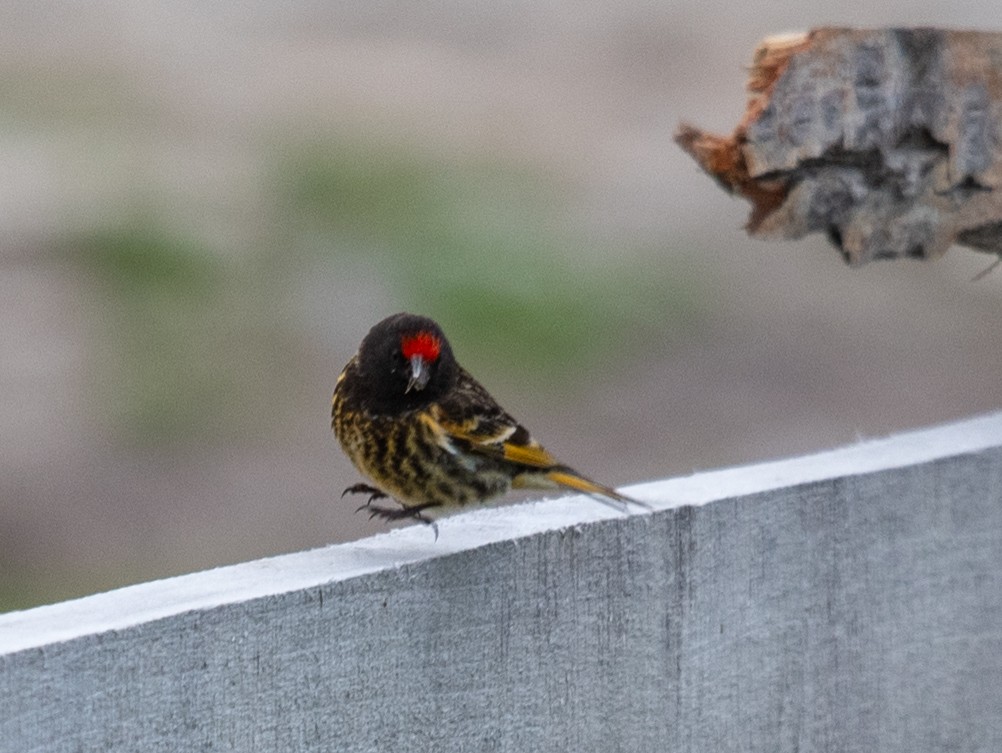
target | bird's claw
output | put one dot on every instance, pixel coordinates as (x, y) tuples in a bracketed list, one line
[(365, 489), (369, 501), (402, 513), (390, 513)]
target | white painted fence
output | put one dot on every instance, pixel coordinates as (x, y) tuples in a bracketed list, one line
[(848, 601)]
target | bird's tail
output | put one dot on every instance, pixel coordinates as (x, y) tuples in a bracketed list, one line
[(570, 479)]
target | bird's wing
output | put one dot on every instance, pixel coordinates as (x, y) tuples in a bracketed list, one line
[(472, 418)]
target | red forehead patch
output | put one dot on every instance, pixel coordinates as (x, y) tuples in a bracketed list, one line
[(423, 344)]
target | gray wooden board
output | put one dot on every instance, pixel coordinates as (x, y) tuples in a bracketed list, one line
[(847, 601)]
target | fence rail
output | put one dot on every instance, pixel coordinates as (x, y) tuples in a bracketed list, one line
[(846, 601)]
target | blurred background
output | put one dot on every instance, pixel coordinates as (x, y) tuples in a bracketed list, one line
[(204, 207)]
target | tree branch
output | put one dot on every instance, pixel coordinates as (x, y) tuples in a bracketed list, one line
[(888, 141)]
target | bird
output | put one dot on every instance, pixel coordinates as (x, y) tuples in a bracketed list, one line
[(429, 436)]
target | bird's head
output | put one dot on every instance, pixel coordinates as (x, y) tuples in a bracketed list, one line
[(407, 360), (422, 349)]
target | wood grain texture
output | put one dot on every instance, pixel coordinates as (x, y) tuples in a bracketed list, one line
[(857, 611)]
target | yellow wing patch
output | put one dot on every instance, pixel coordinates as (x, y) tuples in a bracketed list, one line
[(495, 443), (552, 473), (440, 432), (533, 455)]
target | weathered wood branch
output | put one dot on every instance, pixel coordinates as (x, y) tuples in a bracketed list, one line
[(889, 141)]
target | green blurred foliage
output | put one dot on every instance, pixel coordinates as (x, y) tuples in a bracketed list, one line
[(22, 589), (139, 259), (197, 344), (183, 349), (20, 592), (477, 247)]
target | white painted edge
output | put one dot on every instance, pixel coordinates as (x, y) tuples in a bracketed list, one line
[(144, 602)]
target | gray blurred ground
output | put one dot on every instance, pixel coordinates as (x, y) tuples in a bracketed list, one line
[(124, 109)]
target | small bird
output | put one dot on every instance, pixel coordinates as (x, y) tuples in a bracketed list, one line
[(428, 435)]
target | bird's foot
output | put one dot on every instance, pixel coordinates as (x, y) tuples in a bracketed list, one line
[(372, 491), (402, 513), (399, 513)]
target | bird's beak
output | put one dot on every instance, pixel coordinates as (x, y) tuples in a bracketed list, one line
[(419, 374)]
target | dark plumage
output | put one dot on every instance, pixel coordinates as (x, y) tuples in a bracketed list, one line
[(427, 434)]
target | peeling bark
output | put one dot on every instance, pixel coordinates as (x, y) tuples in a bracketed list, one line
[(888, 141)]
